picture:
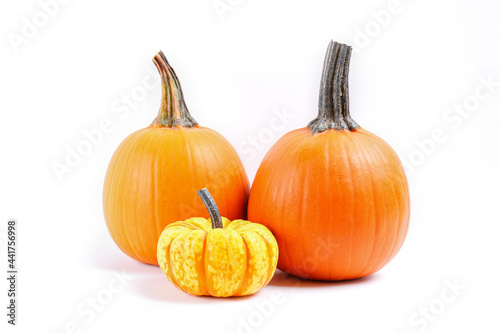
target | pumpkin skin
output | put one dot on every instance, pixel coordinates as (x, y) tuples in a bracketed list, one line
[(236, 259), (334, 195), (153, 176)]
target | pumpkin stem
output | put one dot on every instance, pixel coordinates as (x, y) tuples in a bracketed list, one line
[(212, 208), (333, 104), (173, 111)]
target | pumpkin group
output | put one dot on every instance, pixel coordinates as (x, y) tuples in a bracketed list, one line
[(334, 195), (153, 176), (217, 257)]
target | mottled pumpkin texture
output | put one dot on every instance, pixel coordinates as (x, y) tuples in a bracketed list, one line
[(235, 260)]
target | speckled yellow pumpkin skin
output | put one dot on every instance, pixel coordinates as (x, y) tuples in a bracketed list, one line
[(236, 260)]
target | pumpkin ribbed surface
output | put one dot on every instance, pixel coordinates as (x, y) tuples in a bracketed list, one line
[(337, 203), (235, 260), (154, 174), (334, 195)]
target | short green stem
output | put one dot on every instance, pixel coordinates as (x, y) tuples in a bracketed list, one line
[(212, 208), (333, 105), (173, 110)]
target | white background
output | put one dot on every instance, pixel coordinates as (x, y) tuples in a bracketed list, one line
[(238, 70)]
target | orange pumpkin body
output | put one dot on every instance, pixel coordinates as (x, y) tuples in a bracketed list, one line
[(337, 202), (336, 198), (154, 174)]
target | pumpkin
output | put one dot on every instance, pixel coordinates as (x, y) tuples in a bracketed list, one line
[(334, 195), (217, 257), (153, 176)]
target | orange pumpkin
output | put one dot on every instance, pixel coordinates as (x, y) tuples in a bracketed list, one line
[(334, 195), (154, 174)]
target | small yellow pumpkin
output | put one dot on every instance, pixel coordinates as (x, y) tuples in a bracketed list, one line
[(217, 257)]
